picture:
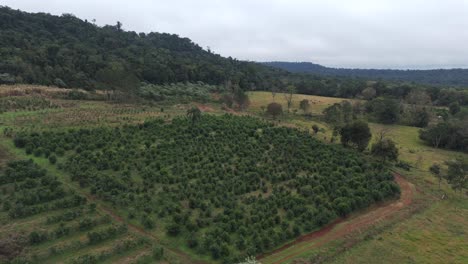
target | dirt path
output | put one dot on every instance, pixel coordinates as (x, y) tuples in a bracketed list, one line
[(342, 227)]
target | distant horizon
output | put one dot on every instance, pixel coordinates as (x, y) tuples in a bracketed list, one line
[(396, 68)]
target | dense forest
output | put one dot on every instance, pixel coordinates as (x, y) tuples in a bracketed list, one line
[(66, 51), (445, 77), (227, 186)]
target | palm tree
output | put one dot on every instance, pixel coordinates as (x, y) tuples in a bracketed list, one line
[(194, 114)]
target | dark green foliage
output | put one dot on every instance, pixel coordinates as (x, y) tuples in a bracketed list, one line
[(21, 170), (454, 108), (420, 117), (76, 95), (52, 159), (339, 114), (384, 110), (446, 77), (173, 229), (315, 128), (182, 92), (386, 149), (66, 51), (158, 253), (356, 134), (87, 223), (457, 174), (147, 221), (447, 134), (35, 191), (241, 99), (224, 180), (274, 109), (37, 237), (64, 217), (194, 114), (404, 165)]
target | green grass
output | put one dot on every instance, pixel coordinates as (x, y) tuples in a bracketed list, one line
[(436, 235), (318, 103)]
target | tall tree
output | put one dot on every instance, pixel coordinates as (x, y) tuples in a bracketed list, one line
[(274, 109), (194, 114), (457, 174), (357, 134), (386, 149), (304, 105), (288, 95)]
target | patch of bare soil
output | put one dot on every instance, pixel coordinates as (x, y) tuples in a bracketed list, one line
[(205, 108), (343, 227)]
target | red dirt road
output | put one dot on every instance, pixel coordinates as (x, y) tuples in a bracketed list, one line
[(342, 227)]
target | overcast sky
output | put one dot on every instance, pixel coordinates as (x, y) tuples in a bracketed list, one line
[(341, 33)]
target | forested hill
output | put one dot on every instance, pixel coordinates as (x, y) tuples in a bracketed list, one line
[(69, 52), (446, 77)]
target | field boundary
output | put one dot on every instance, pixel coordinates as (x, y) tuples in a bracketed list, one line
[(342, 227)]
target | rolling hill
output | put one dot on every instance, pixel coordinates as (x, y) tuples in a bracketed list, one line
[(444, 77)]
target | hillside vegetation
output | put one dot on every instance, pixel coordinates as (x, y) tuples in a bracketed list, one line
[(65, 51), (445, 77)]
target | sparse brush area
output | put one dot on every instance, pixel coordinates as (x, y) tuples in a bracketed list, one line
[(21, 103)]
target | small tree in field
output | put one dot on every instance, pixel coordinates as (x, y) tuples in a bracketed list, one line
[(356, 133), (454, 108), (315, 128), (288, 95), (242, 99), (457, 174), (304, 105), (274, 109), (385, 149)]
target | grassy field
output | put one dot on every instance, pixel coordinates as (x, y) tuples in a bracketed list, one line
[(431, 231), (318, 103)]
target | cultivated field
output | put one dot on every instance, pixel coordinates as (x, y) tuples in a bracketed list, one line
[(419, 228), (430, 230)]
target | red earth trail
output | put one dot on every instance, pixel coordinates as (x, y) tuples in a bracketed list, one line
[(343, 226)]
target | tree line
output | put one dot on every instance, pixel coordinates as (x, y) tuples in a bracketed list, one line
[(66, 51)]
